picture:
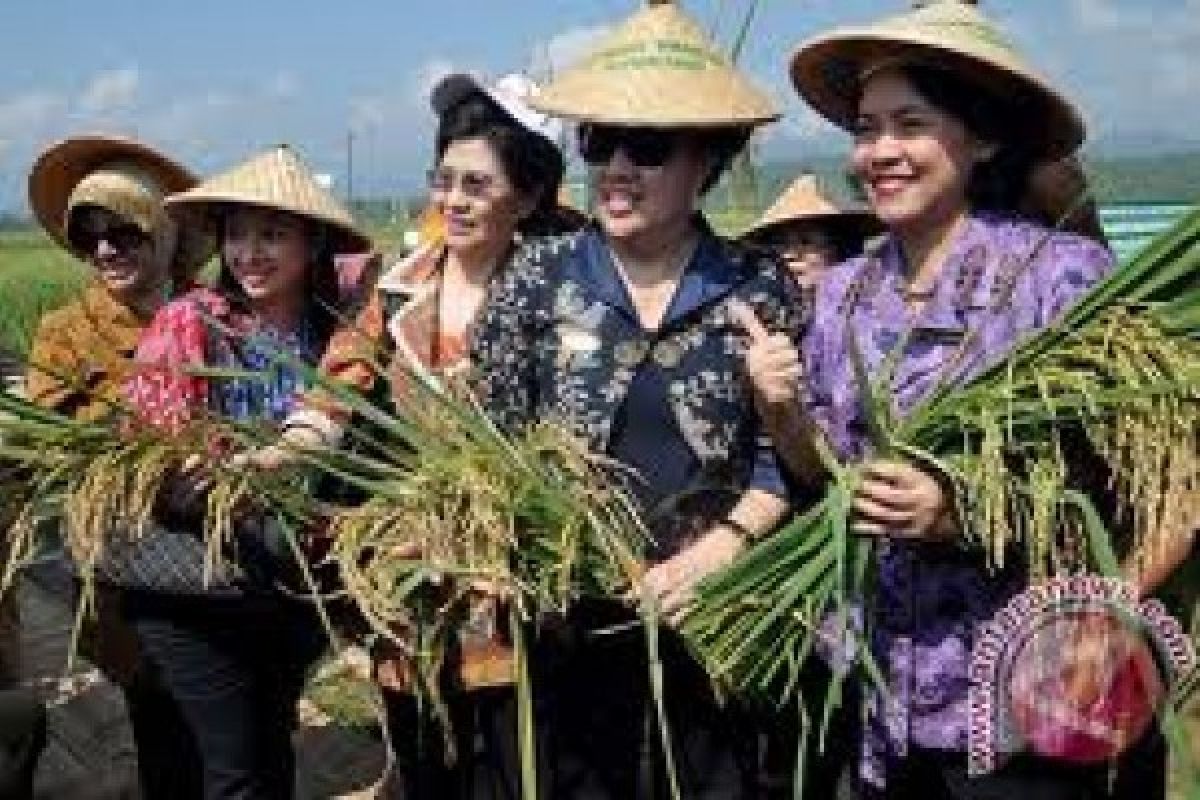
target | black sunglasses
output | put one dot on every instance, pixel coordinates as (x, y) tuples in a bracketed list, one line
[(645, 147), (120, 237)]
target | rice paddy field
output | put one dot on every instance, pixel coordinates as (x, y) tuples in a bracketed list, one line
[(35, 276)]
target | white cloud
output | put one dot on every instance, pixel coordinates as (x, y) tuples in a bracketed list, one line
[(371, 111), (1148, 89), (1098, 15), (406, 106), (193, 121), (110, 91), (564, 49)]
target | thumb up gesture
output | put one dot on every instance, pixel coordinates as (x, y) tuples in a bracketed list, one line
[(771, 362)]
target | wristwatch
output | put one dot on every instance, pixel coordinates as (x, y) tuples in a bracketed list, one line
[(744, 533)]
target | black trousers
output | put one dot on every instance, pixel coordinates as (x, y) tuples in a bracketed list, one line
[(483, 733), (1140, 774), (600, 735), (226, 673), (22, 737)]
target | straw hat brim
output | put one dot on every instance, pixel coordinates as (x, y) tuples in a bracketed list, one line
[(857, 222), (826, 70), (60, 168), (641, 103), (204, 206)]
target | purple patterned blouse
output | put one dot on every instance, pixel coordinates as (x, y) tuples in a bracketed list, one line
[(1005, 278)]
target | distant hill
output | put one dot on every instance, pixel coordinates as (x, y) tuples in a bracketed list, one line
[(1170, 178), (1147, 179)]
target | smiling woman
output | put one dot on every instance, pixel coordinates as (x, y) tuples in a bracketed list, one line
[(628, 333), (949, 123), (101, 199), (494, 183), (233, 656)]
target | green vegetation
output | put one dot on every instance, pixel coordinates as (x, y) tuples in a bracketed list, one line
[(35, 277), (1171, 178)]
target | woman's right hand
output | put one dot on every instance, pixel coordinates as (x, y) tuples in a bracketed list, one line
[(772, 361), (901, 500)]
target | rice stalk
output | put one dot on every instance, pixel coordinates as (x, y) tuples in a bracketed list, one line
[(1120, 372)]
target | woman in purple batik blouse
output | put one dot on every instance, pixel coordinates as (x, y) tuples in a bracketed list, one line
[(948, 125)]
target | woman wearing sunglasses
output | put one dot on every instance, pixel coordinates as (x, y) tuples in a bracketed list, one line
[(626, 333), (495, 182), (100, 198)]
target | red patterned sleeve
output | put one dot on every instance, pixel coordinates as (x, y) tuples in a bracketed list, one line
[(161, 391)]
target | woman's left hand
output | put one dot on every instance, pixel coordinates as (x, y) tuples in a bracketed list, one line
[(899, 499), (672, 581)]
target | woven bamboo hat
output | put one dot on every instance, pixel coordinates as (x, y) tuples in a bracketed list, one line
[(805, 201), (279, 180), (118, 174), (657, 69), (828, 70)]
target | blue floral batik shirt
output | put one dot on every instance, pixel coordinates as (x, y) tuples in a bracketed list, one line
[(560, 340)]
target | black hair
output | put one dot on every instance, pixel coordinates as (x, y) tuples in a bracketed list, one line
[(323, 291), (847, 238), (723, 146), (1000, 182), (532, 163)]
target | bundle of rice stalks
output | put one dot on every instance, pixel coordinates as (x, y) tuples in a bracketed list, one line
[(456, 509), (530, 517), (95, 484), (1119, 372)]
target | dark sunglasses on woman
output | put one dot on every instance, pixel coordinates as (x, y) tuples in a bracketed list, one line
[(122, 238), (644, 147)]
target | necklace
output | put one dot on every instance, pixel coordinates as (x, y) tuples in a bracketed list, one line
[(651, 302)]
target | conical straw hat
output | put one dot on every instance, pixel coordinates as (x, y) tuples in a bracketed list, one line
[(828, 69), (804, 201), (276, 179), (122, 175), (658, 69)]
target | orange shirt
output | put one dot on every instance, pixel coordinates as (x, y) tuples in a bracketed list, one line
[(81, 354), (400, 325)]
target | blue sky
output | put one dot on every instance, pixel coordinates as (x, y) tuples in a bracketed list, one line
[(212, 82)]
